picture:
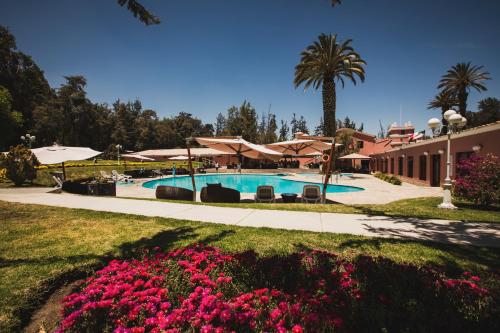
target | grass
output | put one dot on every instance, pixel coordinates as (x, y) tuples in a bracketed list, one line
[(425, 208), (40, 247)]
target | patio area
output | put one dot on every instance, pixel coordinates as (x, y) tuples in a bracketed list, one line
[(375, 191)]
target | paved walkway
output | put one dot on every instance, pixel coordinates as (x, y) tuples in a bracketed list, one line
[(482, 234)]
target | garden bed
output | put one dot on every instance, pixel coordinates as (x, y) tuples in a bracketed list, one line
[(199, 288)]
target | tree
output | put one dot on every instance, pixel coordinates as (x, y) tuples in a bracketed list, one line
[(10, 120), (381, 133), (324, 63), (488, 112), (24, 80), (20, 164), (318, 130), (459, 80), (444, 101), (248, 122), (220, 124), (284, 130), (361, 127), (139, 11)]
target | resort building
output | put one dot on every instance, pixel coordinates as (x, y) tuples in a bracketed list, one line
[(424, 162)]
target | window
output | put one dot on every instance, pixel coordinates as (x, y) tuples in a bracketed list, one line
[(360, 144), (409, 168), (422, 167), (392, 165), (400, 166)]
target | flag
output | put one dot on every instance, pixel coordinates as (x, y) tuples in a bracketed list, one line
[(418, 135)]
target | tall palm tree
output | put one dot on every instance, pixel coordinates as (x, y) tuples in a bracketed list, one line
[(460, 79), (444, 101), (324, 63)]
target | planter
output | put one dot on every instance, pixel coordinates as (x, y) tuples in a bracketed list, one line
[(173, 193)]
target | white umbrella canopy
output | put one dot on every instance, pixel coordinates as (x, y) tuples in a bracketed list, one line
[(137, 156), (239, 146), (179, 158), (354, 156), (60, 154), (299, 146)]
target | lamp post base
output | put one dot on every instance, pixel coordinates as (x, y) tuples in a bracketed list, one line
[(447, 205)]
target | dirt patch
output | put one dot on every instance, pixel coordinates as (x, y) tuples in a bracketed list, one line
[(46, 318)]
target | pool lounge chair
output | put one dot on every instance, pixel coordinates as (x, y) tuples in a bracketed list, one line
[(265, 193), (119, 176), (105, 175), (311, 194)]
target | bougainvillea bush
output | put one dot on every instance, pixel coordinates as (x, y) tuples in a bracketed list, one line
[(478, 180), (201, 289)]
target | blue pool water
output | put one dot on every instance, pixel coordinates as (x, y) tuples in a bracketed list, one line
[(245, 183)]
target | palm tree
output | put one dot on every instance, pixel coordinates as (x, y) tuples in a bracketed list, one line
[(460, 79), (324, 63), (444, 101)]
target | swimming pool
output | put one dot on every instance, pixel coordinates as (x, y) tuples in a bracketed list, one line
[(246, 183)]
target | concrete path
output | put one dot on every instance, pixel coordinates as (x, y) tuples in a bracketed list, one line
[(481, 234)]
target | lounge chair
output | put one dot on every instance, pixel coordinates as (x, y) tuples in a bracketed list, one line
[(105, 175), (157, 173), (120, 176), (311, 194), (217, 193), (265, 193), (59, 183)]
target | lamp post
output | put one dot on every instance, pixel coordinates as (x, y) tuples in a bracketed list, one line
[(28, 139), (455, 122), (118, 147)]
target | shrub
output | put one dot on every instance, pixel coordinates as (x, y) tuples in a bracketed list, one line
[(20, 164), (388, 178), (478, 180), (201, 289)]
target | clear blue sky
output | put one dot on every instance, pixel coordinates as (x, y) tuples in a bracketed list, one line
[(208, 55)]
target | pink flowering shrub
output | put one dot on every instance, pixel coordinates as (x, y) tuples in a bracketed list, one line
[(478, 180), (201, 289)]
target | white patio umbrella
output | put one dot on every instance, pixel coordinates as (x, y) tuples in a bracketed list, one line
[(354, 156), (137, 156), (59, 154), (299, 146), (179, 158), (239, 146)]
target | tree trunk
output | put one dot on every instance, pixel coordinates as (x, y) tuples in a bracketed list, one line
[(462, 101), (329, 105)]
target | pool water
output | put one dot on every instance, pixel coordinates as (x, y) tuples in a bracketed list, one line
[(246, 183)]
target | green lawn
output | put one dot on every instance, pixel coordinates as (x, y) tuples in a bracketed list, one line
[(41, 246), (425, 208)]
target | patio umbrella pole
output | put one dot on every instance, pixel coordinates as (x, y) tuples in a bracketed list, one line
[(63, 170), (190, 164)]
